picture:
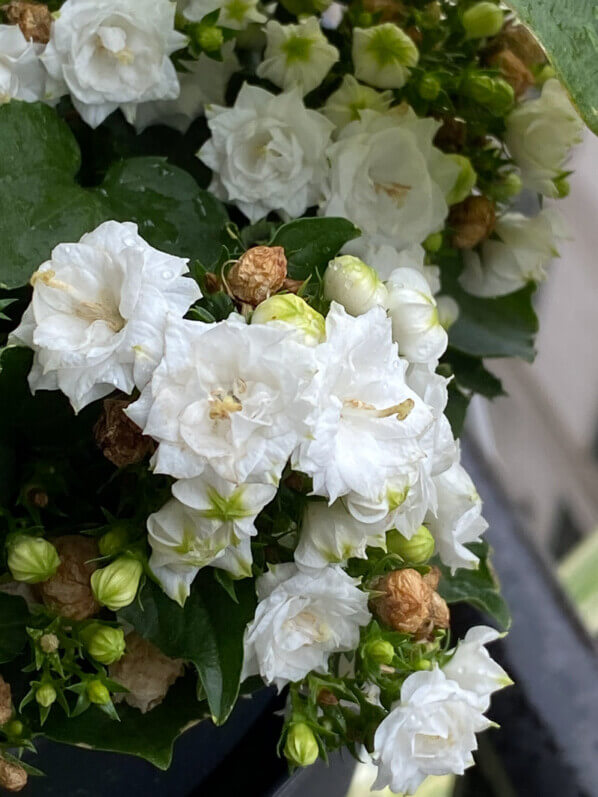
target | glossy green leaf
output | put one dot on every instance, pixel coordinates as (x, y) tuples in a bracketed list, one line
[(310, 243), (14, 617), (568, 31), (208, 631)]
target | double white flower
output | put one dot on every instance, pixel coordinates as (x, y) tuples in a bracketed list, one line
[(22, 76)]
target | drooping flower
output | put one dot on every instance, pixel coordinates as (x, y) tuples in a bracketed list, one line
[(98, 312), (228, 395), (111, 54), (352, 283), (388, 178), (383, 55), (540, 133), (267, 152), (300, 620), (235, 14), (351, 98), (430, 731), (297, 55), (22, 76)]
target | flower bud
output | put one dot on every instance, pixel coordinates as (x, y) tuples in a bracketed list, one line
[(503, 97), (472, 220), (508, 187), (409, 604), (423, 664), (292, 310), (355, 285), (562, 187), (493, 93), (68, 592), (120, 440), (546, 73), (104, 643), (379, 651), (14, 729), (429, 87), (5, 702), (49, 643), (34, 19), (448, 311), (32, 559), (301, 747), (465, 181), (418, 549), (433, 242), (114, 541), (513, 70), (97, 692), (383, 55), (210, 38), (258, 273), (115, 585), (482, 20), (45, 695), (12, 776)]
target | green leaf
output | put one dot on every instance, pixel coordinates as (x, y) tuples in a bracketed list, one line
[(568, 31), (207, 631), (456, 409), (310, 243), (14, 616), (150, 736), (478, 587), (471, 375)]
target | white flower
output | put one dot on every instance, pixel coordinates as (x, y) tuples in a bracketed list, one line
[(98, 312), (386, 259), (473, 668), (448, 310), (382, 55), (206, 517), (227, 395), (267, 152), (351, 98), (414, 315), (355, 285), (458, 519), (430, 731), (365, 427), (388, 178), (297, 55), (203, 82), (524, 248), (540, 133), (114, 53), (235, 14), (300, 620), (331, 534), (22, 75)]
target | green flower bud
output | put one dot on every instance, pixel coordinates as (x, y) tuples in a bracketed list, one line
[(433, 242), (293, 310), (429, 87), (379, 651), (115, 585), (481, 20), (113, 541), (503, 97), (97, 693), (45, 695), (355, 285), (104, 643), (49, 643), (364, 20), (32, 559), (506, 189), (465, 181), (423, 664), (493, 92), (301, 747), (546, 73), (416, 550), (14, 729), (210, 38), (562, 187)]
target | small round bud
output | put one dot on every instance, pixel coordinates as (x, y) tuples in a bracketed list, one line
[(513, 70), (562, 187), (504, 190), (301, 747), (546, 73), (97, 693), (292, 310), (472, 220), (114, 541), (45, 695), (104, 643), (210, 38), (433, 242), (364, 20), (466, 179), (14, 729), (258, 273), (115, 585), (429, 87), (423, 664), (355, 285), (503, 97), (49, 643), (32, 559), (481, 20), (417, 550), (379, 651)]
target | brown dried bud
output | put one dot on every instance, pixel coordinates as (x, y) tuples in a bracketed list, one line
[(259, 273), (12, 776), (389, 10), (513, 70), (212, 283), (120, 440), (451, 135), (432, 577), (472, 221), (409, 604), (522, 44), (439, 612), (34, 19), (146, 672), (68, 592), (326, 698), (5, 702)]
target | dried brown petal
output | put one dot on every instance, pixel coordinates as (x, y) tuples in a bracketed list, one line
[(326, 698), (34, 19), (388, 10), (513, 70), (5, 702), (68, 592), (472, 221), (451, 135), (259, 273), (121, 441), (522, 43), (432, 577), (146, 672), (439, 612), (12, 776), (410, 604)]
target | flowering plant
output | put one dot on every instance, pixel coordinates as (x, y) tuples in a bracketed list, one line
[(253, 259)]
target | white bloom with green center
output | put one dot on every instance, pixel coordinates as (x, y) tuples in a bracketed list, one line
[(235, 14), (383, 55), (351, 98), (331, 535), (416, 325), (352, 283), (297, 55), (288, 308), (22, 76), (300, 620), (206, 519), (520, 253), (98, 313)]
